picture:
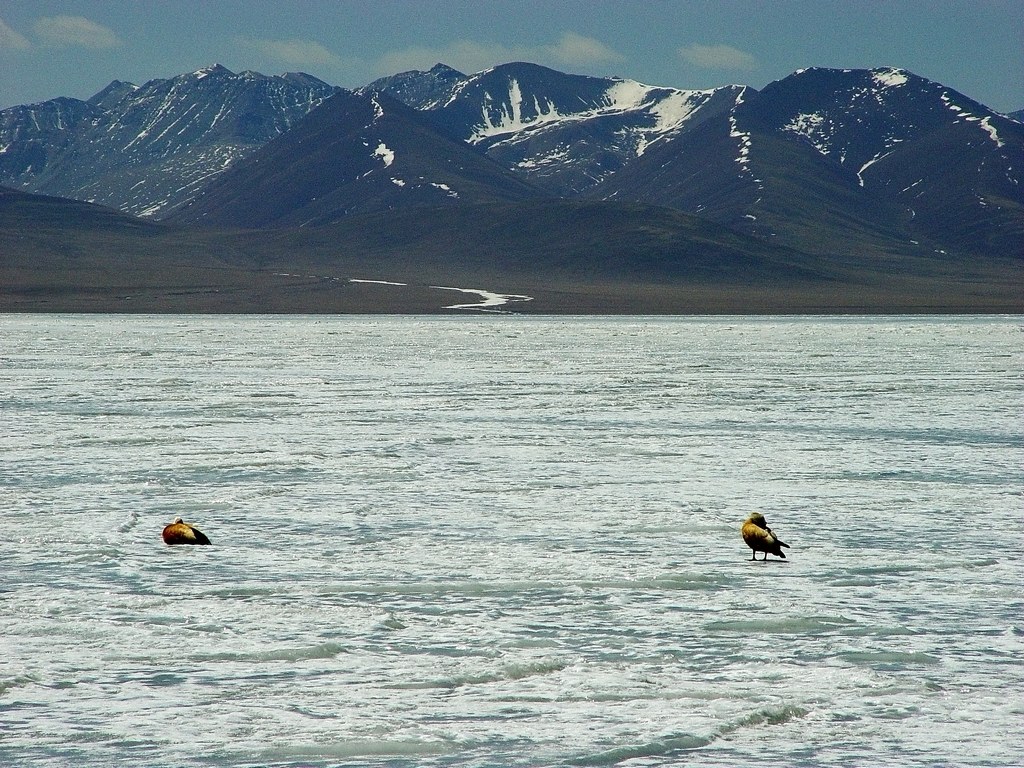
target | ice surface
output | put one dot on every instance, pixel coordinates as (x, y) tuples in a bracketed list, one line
[(510, 541)]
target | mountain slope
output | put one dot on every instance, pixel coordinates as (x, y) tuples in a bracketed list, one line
[(561, 132), (23, 214), (148, 149), (354, 154), (570, 256), (947, 166), (832, 160), (35, 135)]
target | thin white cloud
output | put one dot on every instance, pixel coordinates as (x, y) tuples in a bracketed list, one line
[(717, 57), (293, 52), (571, 49), (10, 40), (75, 31), (464, 55)]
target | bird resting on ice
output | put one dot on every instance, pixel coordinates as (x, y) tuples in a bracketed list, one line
[(760, 538), (180, 532)]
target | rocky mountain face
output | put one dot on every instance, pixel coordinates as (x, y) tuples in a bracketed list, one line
[(562, 133), (148, 149)]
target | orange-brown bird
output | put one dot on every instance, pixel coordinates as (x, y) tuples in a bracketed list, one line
[(180, 532), (760, 538)]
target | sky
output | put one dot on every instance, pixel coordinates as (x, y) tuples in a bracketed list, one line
[(51, 48)]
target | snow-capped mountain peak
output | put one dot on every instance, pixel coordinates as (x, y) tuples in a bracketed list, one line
[(215, 69)]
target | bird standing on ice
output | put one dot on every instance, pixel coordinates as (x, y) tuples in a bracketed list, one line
[(760, 538), (180, 532)]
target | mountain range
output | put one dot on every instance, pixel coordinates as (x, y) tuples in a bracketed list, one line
[(824, 172)]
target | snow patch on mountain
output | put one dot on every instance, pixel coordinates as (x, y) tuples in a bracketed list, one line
[(986, 125), (956, 109), (814, 127), (384, 153), (444, 188), (510, 117), (666, 110), (205, 72), (420, 184), (671, 114), (868, 164), (560, 154), (624, 95), (743, 156), (890, 78), (378, 110)]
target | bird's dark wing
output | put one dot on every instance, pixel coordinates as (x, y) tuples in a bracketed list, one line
[(776, 539), (200, 536)]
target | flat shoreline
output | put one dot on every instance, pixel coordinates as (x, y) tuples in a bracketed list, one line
[(56, 256), (127, 285)]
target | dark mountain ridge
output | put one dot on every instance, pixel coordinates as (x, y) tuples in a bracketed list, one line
[(355, 154), (147, 149)]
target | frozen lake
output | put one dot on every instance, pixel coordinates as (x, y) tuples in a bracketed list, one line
[(509, 541)]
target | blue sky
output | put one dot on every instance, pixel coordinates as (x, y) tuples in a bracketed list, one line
[(52, 48)]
